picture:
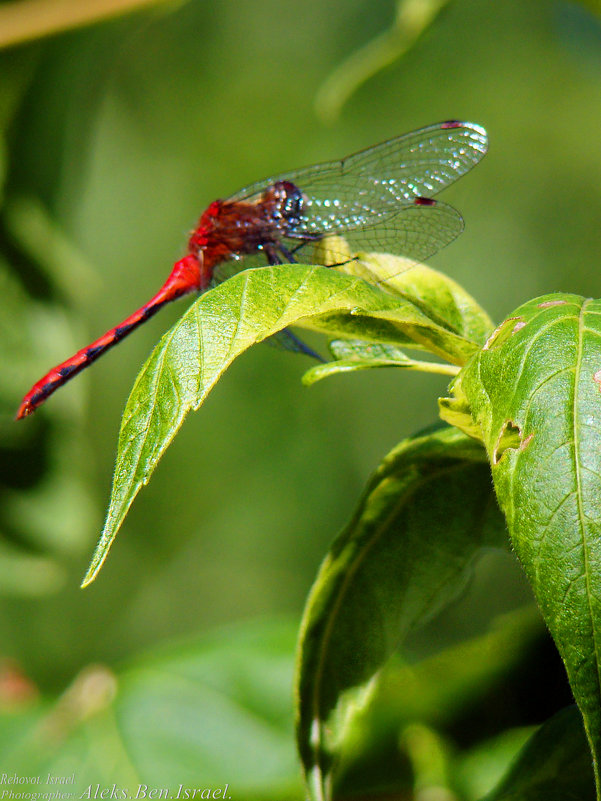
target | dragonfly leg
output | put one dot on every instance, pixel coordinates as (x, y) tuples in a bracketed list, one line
[(271, 252), (287, 254)]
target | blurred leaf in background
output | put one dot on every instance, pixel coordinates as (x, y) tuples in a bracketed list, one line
[(215, 711), (24, 20), (413, 18)]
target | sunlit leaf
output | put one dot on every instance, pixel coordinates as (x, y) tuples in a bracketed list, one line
[(433, 291), (534, 393), (354, 355), (224, 322)]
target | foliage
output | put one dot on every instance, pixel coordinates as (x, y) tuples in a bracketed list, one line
[(456, 714), (526, 399)]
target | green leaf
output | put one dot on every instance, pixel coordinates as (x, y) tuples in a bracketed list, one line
[(438, 689), (534, 393), (438, 295), (554, 765), (224, 322), (406, 553), (354, 354), (360, 351), (211, 712), (457, 411), (443, 300), (437, 692), (485, 764)]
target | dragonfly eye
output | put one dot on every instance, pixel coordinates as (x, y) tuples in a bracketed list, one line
[(292, 202)]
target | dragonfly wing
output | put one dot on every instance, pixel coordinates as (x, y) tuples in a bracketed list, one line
[(378, 188), (421, 163), (233, 266), (414, 231)]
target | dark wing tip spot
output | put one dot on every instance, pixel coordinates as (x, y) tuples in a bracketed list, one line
[(424, 201), (452, 124)]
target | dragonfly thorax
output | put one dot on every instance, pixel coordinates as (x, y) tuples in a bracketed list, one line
[(289, 202), (232, 228)]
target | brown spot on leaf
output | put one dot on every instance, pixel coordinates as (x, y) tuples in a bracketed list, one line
[(503, 332), (526, 442), (547, 303)]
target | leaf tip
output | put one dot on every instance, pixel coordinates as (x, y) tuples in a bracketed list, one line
[(88, 579), (94, 568)]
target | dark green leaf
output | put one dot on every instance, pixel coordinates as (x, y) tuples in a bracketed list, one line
[(405, 554), (554, 765), (437, 692)]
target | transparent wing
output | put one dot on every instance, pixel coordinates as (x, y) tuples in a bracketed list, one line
[(369, 199), (416, 232), (363, 190)]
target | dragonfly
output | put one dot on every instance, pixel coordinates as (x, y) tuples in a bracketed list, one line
[(381, 198)]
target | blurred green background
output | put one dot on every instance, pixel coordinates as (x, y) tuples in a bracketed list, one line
[(116, 137)]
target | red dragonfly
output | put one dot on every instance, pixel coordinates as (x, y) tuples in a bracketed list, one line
[(380, 197)]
